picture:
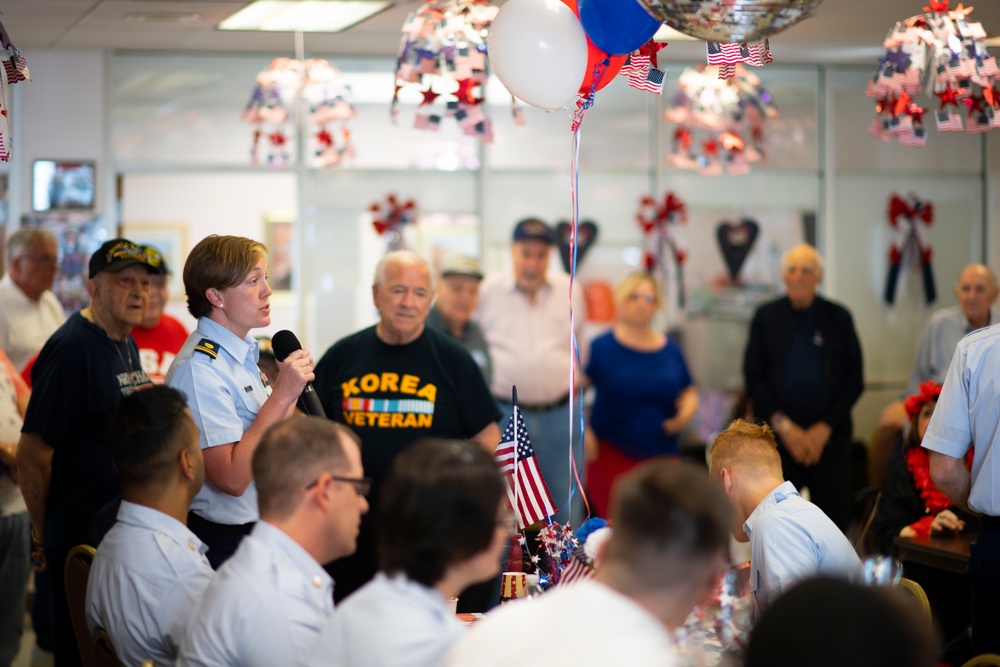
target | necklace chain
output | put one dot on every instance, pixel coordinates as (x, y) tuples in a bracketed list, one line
[(128, 367)]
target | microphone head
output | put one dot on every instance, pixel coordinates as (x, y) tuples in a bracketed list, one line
[(284, 343)]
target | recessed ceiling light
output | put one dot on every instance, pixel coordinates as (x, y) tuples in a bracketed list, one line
[(162, 17), (668, 34), (303, 15)]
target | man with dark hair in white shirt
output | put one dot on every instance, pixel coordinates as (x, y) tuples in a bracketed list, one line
[(150, 570)]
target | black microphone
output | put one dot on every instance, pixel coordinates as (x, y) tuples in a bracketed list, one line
[(284, 343)]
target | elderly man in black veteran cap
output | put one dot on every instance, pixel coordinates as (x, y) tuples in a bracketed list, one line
[(82, 372)]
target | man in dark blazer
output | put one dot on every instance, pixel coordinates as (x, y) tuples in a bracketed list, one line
[(803, 373)]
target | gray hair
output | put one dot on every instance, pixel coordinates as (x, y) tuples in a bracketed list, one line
[(400, 257), (817, 260), (24, 237)]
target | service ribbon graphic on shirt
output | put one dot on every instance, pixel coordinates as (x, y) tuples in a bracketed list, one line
[(416, 412)]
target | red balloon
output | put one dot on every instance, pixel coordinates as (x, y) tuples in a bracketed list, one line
[(595, 56)]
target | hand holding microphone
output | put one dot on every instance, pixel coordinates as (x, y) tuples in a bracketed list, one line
[(284, 343)]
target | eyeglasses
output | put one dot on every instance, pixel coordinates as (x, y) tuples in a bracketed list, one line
[(44, 259), (362, 485), (648, 298)]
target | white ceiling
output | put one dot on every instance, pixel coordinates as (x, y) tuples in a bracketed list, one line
[(840, 31)]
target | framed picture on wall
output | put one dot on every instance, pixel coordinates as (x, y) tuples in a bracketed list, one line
[(171, 239), (279, 226)]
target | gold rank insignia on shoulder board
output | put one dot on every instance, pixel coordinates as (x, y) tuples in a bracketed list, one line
[(211, 348)]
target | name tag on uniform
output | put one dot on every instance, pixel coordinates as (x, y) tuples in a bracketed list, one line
[(248, 389)]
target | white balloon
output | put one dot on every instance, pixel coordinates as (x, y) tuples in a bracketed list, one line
[(538, 50)]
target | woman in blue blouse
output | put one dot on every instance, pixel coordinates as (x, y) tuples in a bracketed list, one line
[(644, 394)]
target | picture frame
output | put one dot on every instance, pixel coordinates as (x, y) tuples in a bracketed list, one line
[(170, 237), (279, 236)]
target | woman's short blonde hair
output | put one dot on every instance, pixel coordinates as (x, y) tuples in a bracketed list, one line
[(633, 280)]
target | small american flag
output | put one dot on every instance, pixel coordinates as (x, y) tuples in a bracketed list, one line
[(948, 122), (16, 69), (916, 138), (4, 154), (427, 122), (577, 567), (652, 82), (724, 54), (526, 488), (635, 62), (989, 67), (469, 116), (978, 124), (407, 73), (875, 129)]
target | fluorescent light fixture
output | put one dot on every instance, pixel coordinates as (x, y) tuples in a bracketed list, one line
[(668, 34), (302, 15)]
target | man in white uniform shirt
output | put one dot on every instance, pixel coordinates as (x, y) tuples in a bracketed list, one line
[(29, 311), (267, 603), (525, 318), (150, 570), (790, 538), (966, 416), (669, 537)]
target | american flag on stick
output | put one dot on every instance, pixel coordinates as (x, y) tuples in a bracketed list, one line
[(526, 489)]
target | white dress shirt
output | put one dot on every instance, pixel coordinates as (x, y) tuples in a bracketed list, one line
[(585, 624), (790, 540), (967, 414), (148, 575), (389, 622), (264, 607), (529, 341), (25, 324)]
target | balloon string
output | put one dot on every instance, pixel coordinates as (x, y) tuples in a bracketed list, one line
[(574, 348), (584, 102)]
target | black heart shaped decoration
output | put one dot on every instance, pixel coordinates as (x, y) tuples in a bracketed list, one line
[(586, 235), (735, 242)]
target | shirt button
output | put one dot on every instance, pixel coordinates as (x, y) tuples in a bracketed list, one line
[(317, 582)]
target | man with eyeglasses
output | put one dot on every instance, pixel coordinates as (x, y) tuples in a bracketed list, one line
[(29, 311), (267, 603)]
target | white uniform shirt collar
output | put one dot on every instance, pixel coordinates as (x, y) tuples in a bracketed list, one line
[(320, 585), (144, 517), (780, 493), (236, 347)]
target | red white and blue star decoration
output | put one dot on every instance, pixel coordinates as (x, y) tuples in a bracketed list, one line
[(442, 55), (944, 51), (15, 71), (390, 216), (324, 93), (720, 122)]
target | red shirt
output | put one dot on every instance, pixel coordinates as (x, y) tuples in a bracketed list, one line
[(158, 346)]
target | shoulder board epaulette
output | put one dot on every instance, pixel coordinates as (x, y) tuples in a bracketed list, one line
[(207, 346)]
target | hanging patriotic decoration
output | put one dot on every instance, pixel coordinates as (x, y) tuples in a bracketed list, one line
[(590, 538), (325, 96), (527, 491), (910, 217), (659, 223), (720, 122), (944, 51), (15, 70), (728, 56), (390, 216), (442, 55)]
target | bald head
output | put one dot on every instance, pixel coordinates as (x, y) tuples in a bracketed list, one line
[(802, 271), (976, 291)]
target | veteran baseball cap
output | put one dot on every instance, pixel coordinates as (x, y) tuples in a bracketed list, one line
[(118, 254), (156, 258), (461, 265), (533, 229)]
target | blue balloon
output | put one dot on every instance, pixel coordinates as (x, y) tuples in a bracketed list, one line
[(617, 27)]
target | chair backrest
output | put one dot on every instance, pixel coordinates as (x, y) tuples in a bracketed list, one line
[(984, 660), (105, 654), (917, 591), (77, 571)]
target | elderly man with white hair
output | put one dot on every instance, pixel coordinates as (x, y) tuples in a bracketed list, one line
[(397, 382), (803, 374)]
